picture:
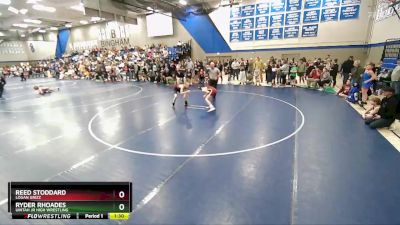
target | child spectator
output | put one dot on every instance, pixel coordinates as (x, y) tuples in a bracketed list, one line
[(293, 74), (354, 93), (345, 90), (373, 110)]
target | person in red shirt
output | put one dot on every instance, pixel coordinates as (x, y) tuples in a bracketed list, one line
[(314, 77), (209, 96), (345, 90)]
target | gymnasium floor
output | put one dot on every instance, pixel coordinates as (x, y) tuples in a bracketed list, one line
[(266, 156)]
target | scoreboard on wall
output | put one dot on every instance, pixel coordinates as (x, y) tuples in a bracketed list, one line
[(70, 200), (283, 19)]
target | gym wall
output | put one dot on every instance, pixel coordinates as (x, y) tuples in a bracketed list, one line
[(382, 30)]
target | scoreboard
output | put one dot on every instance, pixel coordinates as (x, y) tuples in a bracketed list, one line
[(70, 200)]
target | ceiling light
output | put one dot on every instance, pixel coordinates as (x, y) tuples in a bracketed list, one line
[(13, 10), (53, 28), (22, 35), (5, 2), (43, 8), (84, 22), (23, 11), (68, 25), (32, 1), (42, 31), (80, 7), (0, 13), (2, 34), (183, 2), (22, 25), (149, 8), (32, 21), (95, 19)]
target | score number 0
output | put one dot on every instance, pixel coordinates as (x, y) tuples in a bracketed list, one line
[(121, 195)]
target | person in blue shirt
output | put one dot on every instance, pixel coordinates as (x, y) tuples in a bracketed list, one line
[(353, 94), (367, 81)]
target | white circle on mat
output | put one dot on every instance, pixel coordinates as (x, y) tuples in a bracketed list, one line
[(197, 155)]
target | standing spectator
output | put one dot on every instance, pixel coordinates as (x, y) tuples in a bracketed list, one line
[(258, 69), (242, 73), (285, 72), (396, 78), (356, 72), (334, 71), (2, 84), (213, 75), (301, 70), (235, 70), (268, 72), (346, 68), (387, 112)]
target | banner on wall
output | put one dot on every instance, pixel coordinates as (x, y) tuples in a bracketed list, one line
[(235, 36), (293, 18), (262, 22), (351, 2), (261, 35), (292, 32), (247, 35), (330, 3), (278, 6), (247, 10), (309, 30), (276, 20), (311, 4), (235, 12), (330, 14), (293, 5), (262, 9), (247, 23), (350, 12), (275, 33), (235, 25), (311, 16)]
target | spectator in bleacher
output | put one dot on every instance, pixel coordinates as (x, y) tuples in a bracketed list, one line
[(387, 112), (346, 68), (395, 77)]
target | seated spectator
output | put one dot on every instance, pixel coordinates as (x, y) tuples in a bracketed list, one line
[(373, 110), (387, 112), (314, 77), (345, 90), (325, 78), (354, 94)]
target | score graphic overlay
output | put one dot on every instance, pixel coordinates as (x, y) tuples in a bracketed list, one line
[(70, 200)]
